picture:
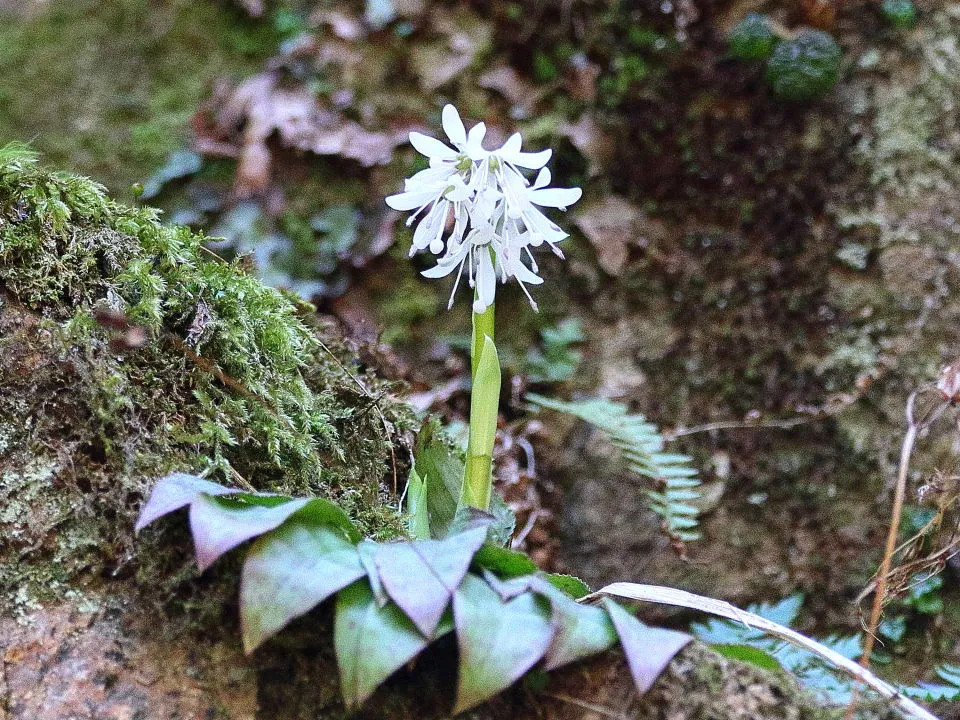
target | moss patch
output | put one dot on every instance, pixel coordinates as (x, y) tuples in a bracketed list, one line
[(109, 87), (223, 376)]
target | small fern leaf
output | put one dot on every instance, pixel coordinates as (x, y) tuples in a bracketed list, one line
[(641, 447)]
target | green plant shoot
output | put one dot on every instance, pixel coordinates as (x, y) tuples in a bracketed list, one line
[(484, 408)]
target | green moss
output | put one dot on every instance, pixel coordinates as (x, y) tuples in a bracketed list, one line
[(109, 87), (230, 380)]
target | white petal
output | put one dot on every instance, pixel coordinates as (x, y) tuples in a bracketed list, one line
[(543, 179), (512, 145), (556, 197), (459, 192), (431, 147), (439, 270), (522, 273), (533, 161), (475, 142), (453, 126), (410, 200)]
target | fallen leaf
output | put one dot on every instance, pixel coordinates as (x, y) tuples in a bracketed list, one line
[(591, 141), (612, 226), (464, 36)]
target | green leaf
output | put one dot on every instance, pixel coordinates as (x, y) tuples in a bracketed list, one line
[(371, 642), (498, 641), (441, 468), (418, 522), (220, 524), (503, 562), (173, 492), (421, 576), (748, 654), (648, 650), (484, 407), (290, 571), (504, 520), (368, 557), (581, 630), (569, 584)]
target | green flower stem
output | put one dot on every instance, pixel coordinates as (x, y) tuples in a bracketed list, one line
[(484, 408), (482, 326)]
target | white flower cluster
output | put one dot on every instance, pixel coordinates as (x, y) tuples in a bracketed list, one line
[(479, 210)]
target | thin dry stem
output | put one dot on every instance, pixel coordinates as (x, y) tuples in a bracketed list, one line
[(681, 598)]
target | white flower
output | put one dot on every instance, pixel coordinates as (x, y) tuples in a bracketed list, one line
[(494, 208)]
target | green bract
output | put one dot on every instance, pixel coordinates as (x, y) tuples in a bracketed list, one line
[(805, 67), (899, 13), (753, 38)]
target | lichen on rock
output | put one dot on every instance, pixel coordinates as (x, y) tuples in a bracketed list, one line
[(129, 352)]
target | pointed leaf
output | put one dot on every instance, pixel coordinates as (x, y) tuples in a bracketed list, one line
[(441, 468), (648, 650), (371, 642), (581, 630), (173, 492), (290, 571), (498, 641), (220, 524), (368, 557), (421, 576), (418, 522)]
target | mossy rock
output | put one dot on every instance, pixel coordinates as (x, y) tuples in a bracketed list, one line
[(804, 67), (129, 352)]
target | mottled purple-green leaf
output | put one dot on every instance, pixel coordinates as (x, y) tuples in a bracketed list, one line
[(581, 630), (220, 524), (421, 576), (498, 641), (368, 550), (509, 588), (173, 492), (288, 572), (648, 650), (371, 642)]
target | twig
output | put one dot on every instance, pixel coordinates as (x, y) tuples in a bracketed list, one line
[(736, 425), (592, 707), (914, 426), (681, 598)]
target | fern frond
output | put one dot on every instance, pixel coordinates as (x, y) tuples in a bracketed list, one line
[(641, 446), (17, 152), (936, 692)]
